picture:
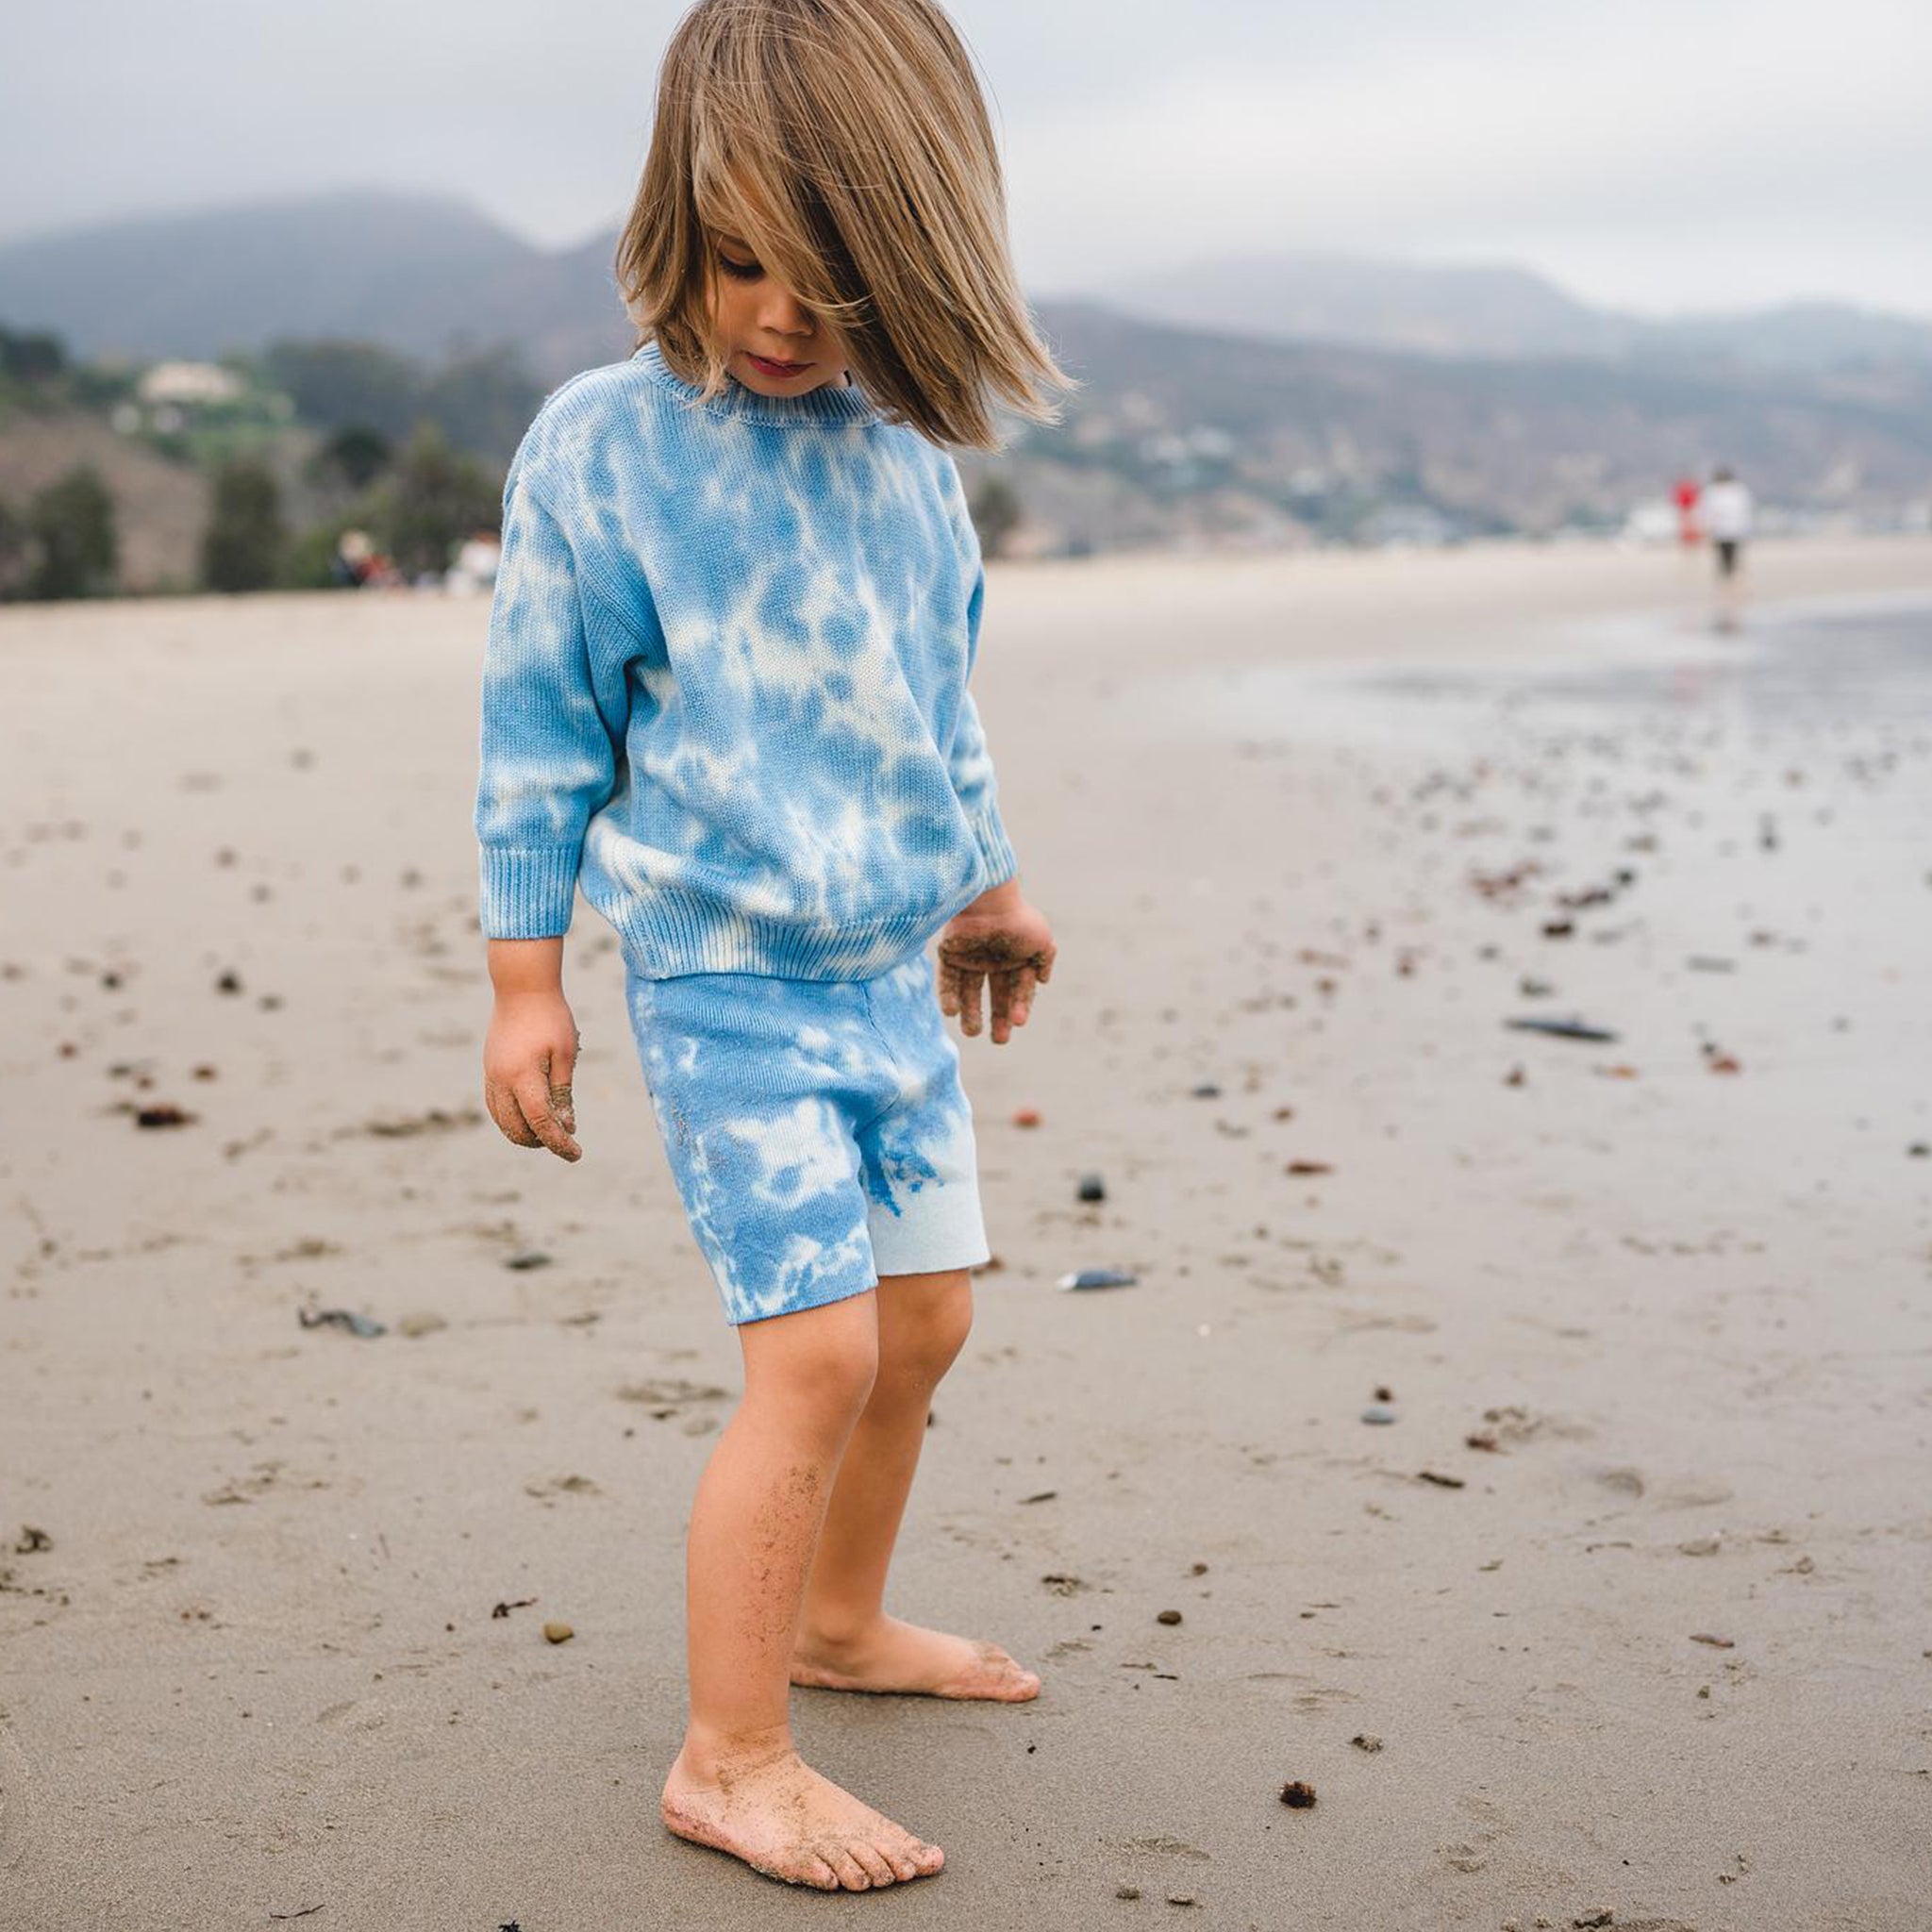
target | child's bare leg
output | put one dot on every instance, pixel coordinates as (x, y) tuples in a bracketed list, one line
[(845, 1641), (739, 1782)]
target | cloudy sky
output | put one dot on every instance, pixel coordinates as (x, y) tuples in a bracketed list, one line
[(1655, 154)]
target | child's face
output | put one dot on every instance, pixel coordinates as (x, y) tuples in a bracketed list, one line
[(772, 343)]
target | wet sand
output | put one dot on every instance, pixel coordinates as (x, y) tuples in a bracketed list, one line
[(1652, 1314)]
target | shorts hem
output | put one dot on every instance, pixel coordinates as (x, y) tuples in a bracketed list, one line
[(942, 1238), (844, 1292)]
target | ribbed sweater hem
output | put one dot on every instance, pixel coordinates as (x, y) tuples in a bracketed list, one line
[(995, 849), (529, 891), (677, 933)]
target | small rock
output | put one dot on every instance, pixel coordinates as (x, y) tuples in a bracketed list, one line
[(1168, 1617), (1297, 1795), (522, 1263), (415, 1326), (1378, 1412), (1028, 1117), (1127, 1891), (1180, 1898), (558, 1633), (1091, 1188), (1366, 1741), (1098, 1278)]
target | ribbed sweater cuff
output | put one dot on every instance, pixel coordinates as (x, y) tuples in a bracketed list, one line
[(995, 849), (529, 891)]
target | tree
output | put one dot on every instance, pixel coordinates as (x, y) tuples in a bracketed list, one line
[(336, 385), (431, 501), (997, 514), (241, 549), (357, 453), (483, 402), (70, 525), (16, 547), (37, 358)]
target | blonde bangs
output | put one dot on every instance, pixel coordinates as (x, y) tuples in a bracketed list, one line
[(847, 143)]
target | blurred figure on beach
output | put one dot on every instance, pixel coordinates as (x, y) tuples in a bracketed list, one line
[(477, 558), (1684, 494), (359, 565), (1724, 512)]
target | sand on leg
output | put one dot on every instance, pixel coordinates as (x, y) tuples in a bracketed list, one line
[(739, 1783), (846, 1642)]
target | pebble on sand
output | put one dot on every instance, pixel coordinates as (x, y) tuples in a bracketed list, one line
[(1168, 1617), (558, 1633), (1297, 1795)]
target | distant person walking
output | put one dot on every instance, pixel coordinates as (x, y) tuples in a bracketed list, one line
[(1726, 511), (1685, 494)]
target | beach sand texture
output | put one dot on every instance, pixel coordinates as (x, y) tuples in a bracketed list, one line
[(1655, 1311)]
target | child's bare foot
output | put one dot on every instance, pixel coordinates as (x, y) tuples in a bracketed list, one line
[(893, 1655), (777, 1814)]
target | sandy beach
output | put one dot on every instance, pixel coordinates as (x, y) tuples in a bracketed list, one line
[(1621, 1617)]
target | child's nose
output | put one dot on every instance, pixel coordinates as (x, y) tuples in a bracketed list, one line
[(784, 314)]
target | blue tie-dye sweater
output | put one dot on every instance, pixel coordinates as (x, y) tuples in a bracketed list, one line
[(725, 681)]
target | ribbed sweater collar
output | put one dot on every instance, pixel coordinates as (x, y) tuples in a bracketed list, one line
[(827, 403)]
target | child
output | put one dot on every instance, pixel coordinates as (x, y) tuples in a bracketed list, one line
[(725, 690)]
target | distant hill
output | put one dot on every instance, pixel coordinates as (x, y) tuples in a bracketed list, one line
[(1298, 399), (1497, 313), (1223, 433), (430, 275), (424, 274)]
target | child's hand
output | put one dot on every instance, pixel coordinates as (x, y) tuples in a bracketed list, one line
[(1002, 941), (528, 1057)]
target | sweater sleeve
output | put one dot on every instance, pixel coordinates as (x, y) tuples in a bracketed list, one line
[(549, 747), (971, 764)]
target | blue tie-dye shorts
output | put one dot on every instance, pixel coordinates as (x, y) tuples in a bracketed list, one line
[(817, 1131)]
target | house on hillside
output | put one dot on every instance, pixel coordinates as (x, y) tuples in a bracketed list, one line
[(189, 384)]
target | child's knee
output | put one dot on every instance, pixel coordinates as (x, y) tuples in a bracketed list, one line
[(924, 1329), (819, 1363)]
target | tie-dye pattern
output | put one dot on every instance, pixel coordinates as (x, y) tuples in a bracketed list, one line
[(817, 1131), (725, 682)]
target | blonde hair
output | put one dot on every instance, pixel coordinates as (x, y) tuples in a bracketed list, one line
[(847, 143)]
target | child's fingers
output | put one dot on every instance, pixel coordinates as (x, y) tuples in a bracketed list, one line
[(1025, 980), (557, 1073), (948, 990), (508, 1115), (533, 1095), (971, 986), (1002, 986)]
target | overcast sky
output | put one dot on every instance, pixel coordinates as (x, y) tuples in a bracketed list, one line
[(1649, 154)]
